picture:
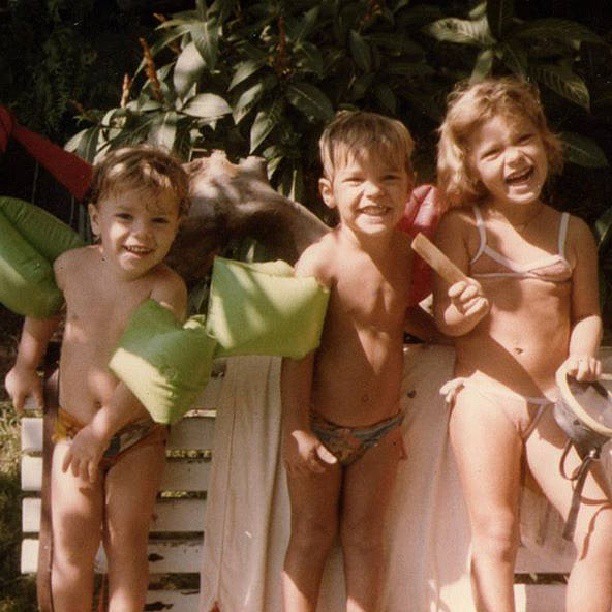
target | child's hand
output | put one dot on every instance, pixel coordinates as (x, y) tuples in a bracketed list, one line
[(23, 383), (84, 454), (469, 299), (304, 453), (583, 368)]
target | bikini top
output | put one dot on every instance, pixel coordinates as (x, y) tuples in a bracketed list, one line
[(552, 267)]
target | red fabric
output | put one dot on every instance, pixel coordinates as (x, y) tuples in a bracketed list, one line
[(421, 215), (70, 170)]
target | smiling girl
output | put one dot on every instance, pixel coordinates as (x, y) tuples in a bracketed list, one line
[(530, 304)]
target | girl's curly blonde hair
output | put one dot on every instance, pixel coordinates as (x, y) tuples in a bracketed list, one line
[(140, 167), (469, 107)]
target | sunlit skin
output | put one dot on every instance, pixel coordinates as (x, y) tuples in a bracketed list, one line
[(511, 336), (102, 285), (353, 379)]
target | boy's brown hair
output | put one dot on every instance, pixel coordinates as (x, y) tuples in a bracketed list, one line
[(141, 167), (469, 107), (359, 133)]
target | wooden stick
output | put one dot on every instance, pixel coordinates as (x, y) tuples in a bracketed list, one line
[(440, 263)]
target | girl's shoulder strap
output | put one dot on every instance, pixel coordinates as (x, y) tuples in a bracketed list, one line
[(563, 227), (481, 231)]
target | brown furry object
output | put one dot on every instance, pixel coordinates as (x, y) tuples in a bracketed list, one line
[(234, 201)]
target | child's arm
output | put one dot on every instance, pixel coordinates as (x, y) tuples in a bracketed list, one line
[(583, 361), (460, 306), (22, 380), (90, 443), (303, 452)]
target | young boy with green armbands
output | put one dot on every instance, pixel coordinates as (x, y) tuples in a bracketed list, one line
[(109, 453)]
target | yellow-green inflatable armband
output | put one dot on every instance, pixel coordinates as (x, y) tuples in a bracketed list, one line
[(166, 365), (264, 309), (30, 241)]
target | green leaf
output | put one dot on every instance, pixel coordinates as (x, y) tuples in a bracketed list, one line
[(246, 101), (265, 121), (163, 131), (299, 29), (244, 70), (205, 36), (310, 100), (563, 81), (583, 151), (603, 229), (360, 50), (207, 106), (513, 56), (385, 96), (189, 68), (309, 59), (500, 14), (85, 143), (560, 29), (482, 67), (396, 42), (461, 31)]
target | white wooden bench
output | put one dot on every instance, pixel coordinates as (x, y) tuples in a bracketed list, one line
[(176, 542), (175, 545)]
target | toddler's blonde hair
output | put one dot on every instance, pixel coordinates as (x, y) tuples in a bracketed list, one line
[(140, 167), (469, 107), (359, 134)]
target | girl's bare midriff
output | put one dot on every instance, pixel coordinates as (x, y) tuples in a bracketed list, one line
[(523, 340)]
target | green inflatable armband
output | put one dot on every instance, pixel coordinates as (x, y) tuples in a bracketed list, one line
[(166, 365), (264, 309), (30, 241)]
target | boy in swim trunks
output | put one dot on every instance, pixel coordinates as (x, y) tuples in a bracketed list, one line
[(341, 405), (109, 454), (529, 306)]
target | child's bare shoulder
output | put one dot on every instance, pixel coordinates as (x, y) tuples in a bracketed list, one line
[(317, 260), (169, 289), (73, 263)]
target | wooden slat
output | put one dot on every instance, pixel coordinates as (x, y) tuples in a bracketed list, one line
[(192, 433), (539, 597), (165, 557), (176, 601), (188, 434), (192, 475), (177, 515)]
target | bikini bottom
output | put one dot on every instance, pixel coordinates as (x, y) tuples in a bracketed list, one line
[(348, 444), (137, 434), (524, 412)]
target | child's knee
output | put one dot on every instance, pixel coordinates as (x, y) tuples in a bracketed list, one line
[(497, 532), (311, 533)]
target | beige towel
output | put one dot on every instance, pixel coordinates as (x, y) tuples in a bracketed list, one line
[(247, 520)]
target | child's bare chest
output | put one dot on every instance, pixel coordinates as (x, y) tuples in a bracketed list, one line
[(367, 292), (101, 315)]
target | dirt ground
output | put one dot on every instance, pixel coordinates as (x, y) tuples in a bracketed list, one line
[(10, 330)]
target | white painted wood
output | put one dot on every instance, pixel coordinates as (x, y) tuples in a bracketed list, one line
[(192, 433), (179, 475), (31, 435), (165, 557), (540, 597), (177, 515)]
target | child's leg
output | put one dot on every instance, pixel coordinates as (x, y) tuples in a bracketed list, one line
[(314, 524), (77, 515), (366, 495), (131, 489), (488, 450), (590, 584)]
